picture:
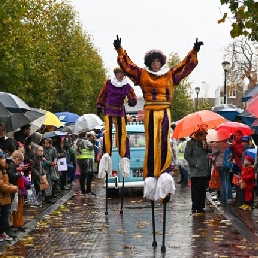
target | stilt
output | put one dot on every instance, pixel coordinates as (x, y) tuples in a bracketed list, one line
[(106, 213), (154, 243), (165, 201), (122, 197)]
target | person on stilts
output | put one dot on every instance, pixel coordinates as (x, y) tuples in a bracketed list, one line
[(110, 102), (157, 82)]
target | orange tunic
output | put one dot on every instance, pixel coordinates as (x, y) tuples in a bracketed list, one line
[(157, 91)]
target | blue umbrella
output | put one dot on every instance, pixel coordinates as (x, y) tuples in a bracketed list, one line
[(252, 153), (250, 93), (67, 117), (54, 134)]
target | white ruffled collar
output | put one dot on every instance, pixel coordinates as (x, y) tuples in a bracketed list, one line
[(163, 70), (117, 83)]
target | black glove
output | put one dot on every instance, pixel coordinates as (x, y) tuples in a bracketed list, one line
[(117, 42), (99, 111), (208, 177), (197, 45), (130, 103)]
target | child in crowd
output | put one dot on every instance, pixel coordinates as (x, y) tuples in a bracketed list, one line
[(15, 174), (248, 176), (37, 169), (6, 189)]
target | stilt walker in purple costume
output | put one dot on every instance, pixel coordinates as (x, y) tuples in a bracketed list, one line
[(111, 102), (157, 82)]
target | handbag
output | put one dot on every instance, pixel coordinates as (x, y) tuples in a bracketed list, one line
[(214, 183), (227, 159), (22, 192), (62, 164), (242, 184), (44, 185), (54, 176), (236, 180)]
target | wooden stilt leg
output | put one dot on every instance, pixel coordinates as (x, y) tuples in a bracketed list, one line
[(106, 213), (165, 201), (154, 243), (122, 197)]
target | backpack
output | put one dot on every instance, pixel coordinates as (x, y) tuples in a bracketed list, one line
[(84, 144), (228, 156)]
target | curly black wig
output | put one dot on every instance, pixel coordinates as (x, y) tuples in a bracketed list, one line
[(154, 54)]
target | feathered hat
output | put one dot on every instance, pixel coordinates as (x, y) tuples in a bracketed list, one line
[(118, 69), (154, 54)]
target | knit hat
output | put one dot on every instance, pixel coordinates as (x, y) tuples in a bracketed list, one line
[(249, 158), (246, 138), (154, 54)]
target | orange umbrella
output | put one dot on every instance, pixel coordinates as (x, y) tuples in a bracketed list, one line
[(252, 105), (191, 123)]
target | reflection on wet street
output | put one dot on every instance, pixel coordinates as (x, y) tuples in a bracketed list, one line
[(79, 228)]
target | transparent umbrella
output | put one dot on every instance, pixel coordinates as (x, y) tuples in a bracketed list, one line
[(87, 122)]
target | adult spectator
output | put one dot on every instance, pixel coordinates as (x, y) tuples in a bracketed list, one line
[(196, 154), (237, 149), (84, 151), (218, 150), (23, 136)]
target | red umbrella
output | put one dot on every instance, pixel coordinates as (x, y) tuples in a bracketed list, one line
[(252, 105), (255, 123), (232, 127), (191, 123)]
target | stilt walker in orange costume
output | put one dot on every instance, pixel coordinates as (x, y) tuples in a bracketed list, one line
[(157, 82)]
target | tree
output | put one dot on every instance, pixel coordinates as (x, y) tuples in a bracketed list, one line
[(182, 104), (245, 18), (242, 57), (46, 58)]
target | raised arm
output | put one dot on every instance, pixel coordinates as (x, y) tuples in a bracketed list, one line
[(131, 70), (184, 68)]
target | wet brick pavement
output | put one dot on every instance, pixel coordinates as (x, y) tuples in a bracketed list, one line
[(77, 227)]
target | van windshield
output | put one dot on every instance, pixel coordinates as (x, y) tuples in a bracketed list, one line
[(135, 140)]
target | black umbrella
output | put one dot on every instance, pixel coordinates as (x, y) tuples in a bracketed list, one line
[(53, 134), (13, 103), (68, 129), (13, 121)]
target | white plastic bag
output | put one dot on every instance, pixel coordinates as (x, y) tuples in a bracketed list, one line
[(32, 197), (14, 205)]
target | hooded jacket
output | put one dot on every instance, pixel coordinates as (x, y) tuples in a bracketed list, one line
[(6, 189)]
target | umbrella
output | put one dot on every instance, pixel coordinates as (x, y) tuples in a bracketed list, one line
[(68, 129), (217, 136), (255, 123), (52, 119), (225, 107), (252, 105), (228, 111), (250, 93), (53, 134), (13, 103), (252, 153), (13, 121), (192, 122), (87, 122), (232, 127), (67, 117)]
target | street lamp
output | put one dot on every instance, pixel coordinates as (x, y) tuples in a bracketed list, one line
[(197, 90), (225, 66)]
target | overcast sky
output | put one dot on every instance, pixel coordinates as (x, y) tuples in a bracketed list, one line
[(171, 26)]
